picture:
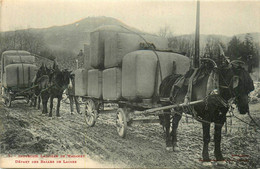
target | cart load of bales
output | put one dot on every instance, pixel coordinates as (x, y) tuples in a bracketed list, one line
[(18, 69), (119, 68)]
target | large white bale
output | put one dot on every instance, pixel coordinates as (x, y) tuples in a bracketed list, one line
[(14, 52), (14, 59), (87, 56), (112, 84), (97, 43), (95, 83), (18, 75), (81, 82), (122, 43), (139, 72)]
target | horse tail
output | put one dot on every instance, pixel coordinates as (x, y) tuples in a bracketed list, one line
[(167, 83)]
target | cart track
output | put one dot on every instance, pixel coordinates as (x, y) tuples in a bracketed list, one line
[(143, 147)]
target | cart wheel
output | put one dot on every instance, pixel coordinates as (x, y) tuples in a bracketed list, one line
[(121, 122), (8, 100), (90, 113), (28, 100)]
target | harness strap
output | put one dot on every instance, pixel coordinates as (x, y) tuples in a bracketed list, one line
[(155, 94), (29, 75), (189, 92)]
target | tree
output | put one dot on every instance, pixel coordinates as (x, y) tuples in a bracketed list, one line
[(247, 51), (22, 40), (165, 32), (234, 48), (214, 49), (184, 45)]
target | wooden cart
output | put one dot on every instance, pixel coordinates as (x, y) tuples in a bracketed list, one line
[(17, 72), (126, 111)]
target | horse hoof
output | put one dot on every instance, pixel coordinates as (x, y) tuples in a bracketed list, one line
[(221, 162), (169, 148), (206, 163), (176, 148)]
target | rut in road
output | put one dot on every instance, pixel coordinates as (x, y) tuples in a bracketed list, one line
[(144, 145)]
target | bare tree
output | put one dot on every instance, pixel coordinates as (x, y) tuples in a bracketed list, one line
[(22, 40), (183, 44), (165, 32)]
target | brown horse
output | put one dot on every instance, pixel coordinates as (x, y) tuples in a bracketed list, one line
[(52, 86), (233, 82), (41, 74)]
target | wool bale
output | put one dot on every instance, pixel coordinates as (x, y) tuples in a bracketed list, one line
[(18, 75), (13, 59), (11, 52), (81, 82), (139, 72), (7, 58), (112, 84), (95, 83), (14, 52), (122, 43), (87, 57), (97, 43)]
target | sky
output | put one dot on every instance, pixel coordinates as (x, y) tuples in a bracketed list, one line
[(216, 17)]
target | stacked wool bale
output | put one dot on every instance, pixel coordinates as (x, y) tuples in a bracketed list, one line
[(97, 43), (139, 73), (18, 68), (81, 82), (87, 64), (91, 75), (121, 70), (97, 78), (116, 47), (81, 75), (120, 44)]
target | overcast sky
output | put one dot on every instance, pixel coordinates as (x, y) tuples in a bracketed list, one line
[(224, 17)]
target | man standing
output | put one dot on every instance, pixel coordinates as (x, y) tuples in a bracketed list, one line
[(71, 94), (250, 63)]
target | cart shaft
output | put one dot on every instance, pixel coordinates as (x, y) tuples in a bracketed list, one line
[(148, 111)]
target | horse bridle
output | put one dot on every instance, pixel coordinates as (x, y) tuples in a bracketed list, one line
[(234, 96)]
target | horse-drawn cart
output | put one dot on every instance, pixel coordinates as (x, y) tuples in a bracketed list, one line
[(130, 88), (128, 113), (17, 72)]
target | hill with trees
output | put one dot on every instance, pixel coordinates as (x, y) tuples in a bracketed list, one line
[(65, 42)]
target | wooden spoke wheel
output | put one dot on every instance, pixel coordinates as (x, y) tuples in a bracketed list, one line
[(90, 112), (8, 100), (121, 122), (28, 100)]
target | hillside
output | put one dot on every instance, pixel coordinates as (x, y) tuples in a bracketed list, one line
[(70, 38)]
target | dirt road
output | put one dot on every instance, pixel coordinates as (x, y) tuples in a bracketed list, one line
[(25, 131)]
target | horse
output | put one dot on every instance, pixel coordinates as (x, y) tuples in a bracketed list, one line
[(36, 98), (233, 82), (54, 87)]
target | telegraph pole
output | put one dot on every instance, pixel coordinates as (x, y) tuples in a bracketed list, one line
[(197, 38)]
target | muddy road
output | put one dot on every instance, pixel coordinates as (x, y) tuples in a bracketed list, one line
[(24, 130)]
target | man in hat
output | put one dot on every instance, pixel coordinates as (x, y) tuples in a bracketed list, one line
[(250, 64), (70, 92)]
